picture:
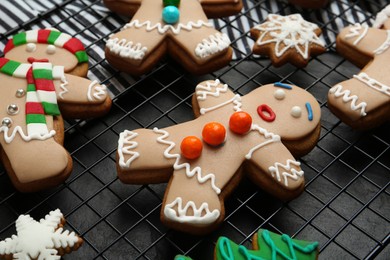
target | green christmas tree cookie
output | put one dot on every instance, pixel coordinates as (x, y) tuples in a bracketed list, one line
[(267, 246)]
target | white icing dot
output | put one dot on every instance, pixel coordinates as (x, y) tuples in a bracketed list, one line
[(51, 49), (279, 94), (296, 111), (31, 47)]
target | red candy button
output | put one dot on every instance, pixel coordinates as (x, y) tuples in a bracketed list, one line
[(240, 122), (214, 133), (266, 113), (191, 147)]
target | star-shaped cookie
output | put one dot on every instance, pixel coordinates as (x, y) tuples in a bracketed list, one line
[(45, 239), (287, 39)]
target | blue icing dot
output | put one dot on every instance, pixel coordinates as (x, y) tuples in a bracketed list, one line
[(170, 14)]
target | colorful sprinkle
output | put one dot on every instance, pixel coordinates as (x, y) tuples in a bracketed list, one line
[(240, 122), (214, 133), (191, 147), (266, 113), (282, 85), (309, 111)]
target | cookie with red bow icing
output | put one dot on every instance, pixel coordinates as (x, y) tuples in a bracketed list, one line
[(35, 92), (363, 102), (257, 135), (178, 28)]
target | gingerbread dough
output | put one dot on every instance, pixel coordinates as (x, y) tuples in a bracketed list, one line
[(194, 200), (363, 102), (35, 93), (191, 41)]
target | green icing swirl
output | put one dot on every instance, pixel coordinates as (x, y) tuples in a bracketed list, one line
[(273, 247)]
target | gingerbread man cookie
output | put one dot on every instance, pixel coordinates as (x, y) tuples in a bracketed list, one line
[(315, 4), (204, 159), (287, 39), (35, 94), (180, 29), (45, 239), (363, 102)]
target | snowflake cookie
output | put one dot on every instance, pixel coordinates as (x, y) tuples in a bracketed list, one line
[(287, 39), (43, 240)]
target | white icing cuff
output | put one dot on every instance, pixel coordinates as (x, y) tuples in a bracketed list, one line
[(201, 215), (288, 172), (96, 91), (212, 44), (30, 136), (126, 49), (125, 146), (338, 91), (212, 88)]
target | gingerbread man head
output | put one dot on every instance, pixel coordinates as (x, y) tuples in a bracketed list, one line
[(180, 29), (256, 135), (363, 101), (36, 92)]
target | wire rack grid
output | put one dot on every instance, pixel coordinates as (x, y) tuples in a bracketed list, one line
[(345, 205)]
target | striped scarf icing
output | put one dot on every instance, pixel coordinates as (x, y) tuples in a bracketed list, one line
[(54, 37), (41, 98)]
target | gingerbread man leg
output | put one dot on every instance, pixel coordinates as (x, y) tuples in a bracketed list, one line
[(364, 101)]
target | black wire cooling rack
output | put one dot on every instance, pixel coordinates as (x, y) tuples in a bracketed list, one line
[(346, 202)]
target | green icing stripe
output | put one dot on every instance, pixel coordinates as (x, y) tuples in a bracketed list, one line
[(182, 257), (50, 108), (53, 36), (19, 39), (31, 87), (35, 118), (81, 56), (43, 74), (10, 67)]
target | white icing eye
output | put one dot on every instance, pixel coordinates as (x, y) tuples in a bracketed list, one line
[(279, 94), (51, 49), (31, 47), (296, 111)]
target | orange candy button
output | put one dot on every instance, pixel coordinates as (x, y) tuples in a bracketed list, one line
[(214, 133), (240, 122), (191, 147)]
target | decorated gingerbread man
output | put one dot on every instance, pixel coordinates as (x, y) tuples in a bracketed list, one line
[(363, 101), (36, 91), (179, 28), (204, 159)]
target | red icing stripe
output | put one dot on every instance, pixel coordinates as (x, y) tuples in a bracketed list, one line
[(34, 108), (29, 77), (8, 46), (74, 45), (44, 84), (43, 35), (3, 61), (266, 113)]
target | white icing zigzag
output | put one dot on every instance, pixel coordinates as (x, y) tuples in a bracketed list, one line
[(125, 146), (381, 49), (292, 30), (166, 27), (236, 100), (288, 173), (211, 45), (38, 240), (347, 97), (96, 91), (196, 218), (18, 130), (373, 83), (355, 31), (268, 135), (197, 171), (212, 88), (126, 49)]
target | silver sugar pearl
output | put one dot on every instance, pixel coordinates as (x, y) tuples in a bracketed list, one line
[(7, 122), (12, 109), (20, 93)]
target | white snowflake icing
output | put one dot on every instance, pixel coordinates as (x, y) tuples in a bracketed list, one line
[(287, 32), (38, 240)]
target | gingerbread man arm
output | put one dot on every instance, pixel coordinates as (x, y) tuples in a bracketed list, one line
[(78, 97), (363, 101)]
